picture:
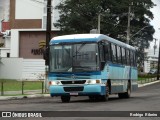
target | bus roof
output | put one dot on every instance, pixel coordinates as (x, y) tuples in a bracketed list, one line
[(86, 38)]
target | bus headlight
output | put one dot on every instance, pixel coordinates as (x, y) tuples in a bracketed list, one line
[(93, 81), (55, 83)]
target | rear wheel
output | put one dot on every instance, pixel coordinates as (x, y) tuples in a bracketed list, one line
[(92, 98), (126, 94), (65, 99)]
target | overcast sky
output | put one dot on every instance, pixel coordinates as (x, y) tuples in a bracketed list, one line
[(156, 21)]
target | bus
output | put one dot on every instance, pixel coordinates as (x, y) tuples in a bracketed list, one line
[(93, 65)]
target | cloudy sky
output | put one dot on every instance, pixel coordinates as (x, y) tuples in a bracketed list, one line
[(156, 21), (4, 7)]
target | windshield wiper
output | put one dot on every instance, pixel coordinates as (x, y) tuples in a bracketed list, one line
[(79, 55), (77, 51)]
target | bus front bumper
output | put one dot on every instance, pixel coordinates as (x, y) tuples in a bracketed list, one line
[(85, 90)]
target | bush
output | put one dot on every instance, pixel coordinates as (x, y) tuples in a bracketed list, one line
[(147, 76)]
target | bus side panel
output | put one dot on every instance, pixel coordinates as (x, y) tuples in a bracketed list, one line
[(119, 76), (134, 78), (116, 75)]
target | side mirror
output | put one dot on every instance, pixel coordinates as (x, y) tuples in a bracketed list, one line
[(102, 65), (46, 56)]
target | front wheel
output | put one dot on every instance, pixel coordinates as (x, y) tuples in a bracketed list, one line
[(104, 97), (65, 99)]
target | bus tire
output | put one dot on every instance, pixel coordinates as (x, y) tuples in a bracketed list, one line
[(126, 94), (65, 99), (104, 97), (92, 98)]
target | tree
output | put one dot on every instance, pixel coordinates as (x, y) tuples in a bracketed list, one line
[(80, 16)]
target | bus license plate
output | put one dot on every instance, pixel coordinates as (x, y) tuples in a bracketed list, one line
[(73, 93)]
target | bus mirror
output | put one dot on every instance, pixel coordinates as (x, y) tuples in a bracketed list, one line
[(102, 65), (46, 56)]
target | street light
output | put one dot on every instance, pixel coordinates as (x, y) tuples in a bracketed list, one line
[(139, 31)]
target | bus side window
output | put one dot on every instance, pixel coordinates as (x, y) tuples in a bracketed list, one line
[(101, 52), (131, 58), (134, 59), (114, 58), (107, 51), (119, 55), (123, 56), (128, 57)]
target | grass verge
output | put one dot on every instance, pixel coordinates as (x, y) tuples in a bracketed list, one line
[(14, 85)]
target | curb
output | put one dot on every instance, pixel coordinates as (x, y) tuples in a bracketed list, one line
[(48, 95), (23, 97), (142, 85)]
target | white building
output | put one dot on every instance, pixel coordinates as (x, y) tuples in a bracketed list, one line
[(152, 59), (25, 14), (27, 29), (32, 14)]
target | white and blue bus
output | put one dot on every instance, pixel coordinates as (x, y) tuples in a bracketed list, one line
[(92, 65)]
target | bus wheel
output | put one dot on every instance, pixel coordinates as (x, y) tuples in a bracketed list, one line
[(92, 98), (126, 94), (105, 97), (65, 99)]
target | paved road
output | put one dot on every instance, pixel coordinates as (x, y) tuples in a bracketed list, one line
[(144, 99)]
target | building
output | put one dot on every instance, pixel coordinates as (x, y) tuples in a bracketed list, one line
[(27, 20), (151, 61), (24, 40), (4, 25), (27, 14)]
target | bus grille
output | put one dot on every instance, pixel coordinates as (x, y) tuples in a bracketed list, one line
[(73, 89), (74, 82)]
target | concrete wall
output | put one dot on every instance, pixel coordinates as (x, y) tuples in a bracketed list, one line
[(4, 51), (11, 68), (33, 69), (22, 69)]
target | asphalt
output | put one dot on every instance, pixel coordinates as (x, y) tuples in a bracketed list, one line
[(36, 93)]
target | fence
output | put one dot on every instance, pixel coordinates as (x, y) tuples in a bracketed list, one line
[(142, 79), (14, 87)]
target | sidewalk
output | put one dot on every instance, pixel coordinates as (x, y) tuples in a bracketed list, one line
[(150, 83), (38, 93), (27, 94)]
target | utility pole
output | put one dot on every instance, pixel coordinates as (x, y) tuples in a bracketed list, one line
[(48, 29), (99, 23), (158, 62), (48, 38), (128, 26)]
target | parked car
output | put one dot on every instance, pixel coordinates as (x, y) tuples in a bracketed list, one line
[(152, 71)]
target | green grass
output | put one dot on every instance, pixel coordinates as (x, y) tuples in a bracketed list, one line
[(14, 85), (141, 78)]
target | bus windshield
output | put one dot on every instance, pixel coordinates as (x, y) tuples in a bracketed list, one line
[(80, 57)]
